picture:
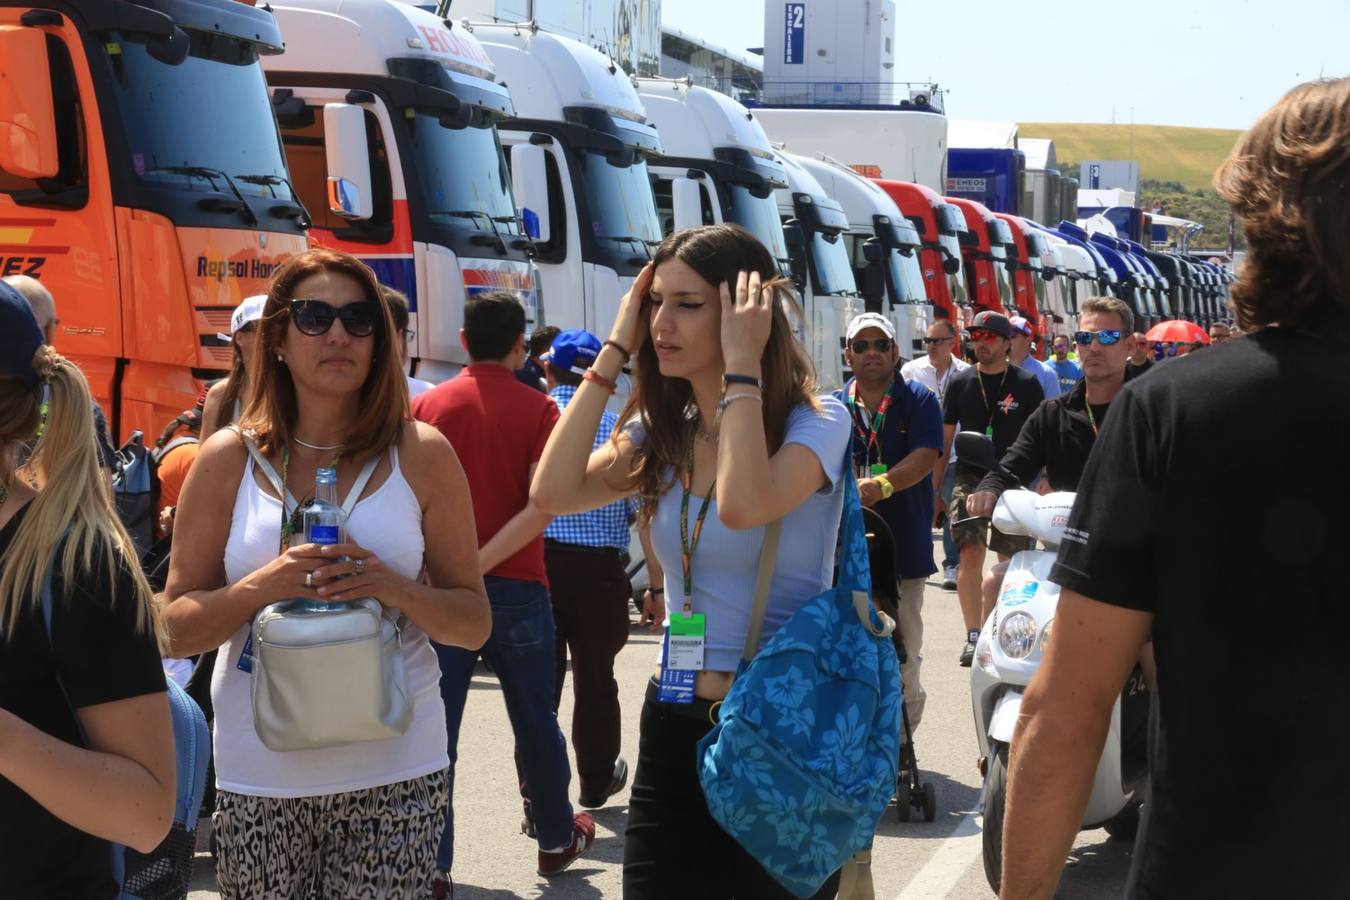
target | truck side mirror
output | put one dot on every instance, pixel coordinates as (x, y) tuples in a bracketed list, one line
[(348, 159), (529, 186), (795, 239), (873, 251), (687, 203), (951, 264), (27, 113)]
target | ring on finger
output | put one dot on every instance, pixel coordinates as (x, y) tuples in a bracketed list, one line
[(309, 579), (360, 567)]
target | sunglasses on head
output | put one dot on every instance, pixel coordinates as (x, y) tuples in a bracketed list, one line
[(882, 345), (1105, 338), (984, 337), (315, 317)]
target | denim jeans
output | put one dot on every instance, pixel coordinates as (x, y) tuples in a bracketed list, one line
[(951, 556), (521, 653)]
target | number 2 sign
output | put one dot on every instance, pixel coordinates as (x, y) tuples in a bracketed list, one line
[(794, 34)]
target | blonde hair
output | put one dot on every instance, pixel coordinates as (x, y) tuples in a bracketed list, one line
[(72, 495)]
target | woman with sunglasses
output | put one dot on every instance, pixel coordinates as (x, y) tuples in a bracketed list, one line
[(359, 819), (725, 435)]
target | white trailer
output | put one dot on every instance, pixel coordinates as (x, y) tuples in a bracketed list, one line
[(904, 145)]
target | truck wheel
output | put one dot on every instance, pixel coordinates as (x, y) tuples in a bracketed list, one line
[(1125, 824), (997, 795)]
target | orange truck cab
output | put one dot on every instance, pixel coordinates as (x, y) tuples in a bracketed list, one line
[(142, 181), (940, 226), (985, 257)]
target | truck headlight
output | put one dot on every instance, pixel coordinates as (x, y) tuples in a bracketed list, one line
[(1017, 635)]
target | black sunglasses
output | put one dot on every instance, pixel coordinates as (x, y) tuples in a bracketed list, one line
[(1105, 338), (932, 342), (315, 317), (882, 345)]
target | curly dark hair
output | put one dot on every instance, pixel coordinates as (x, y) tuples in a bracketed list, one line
[(1288, 183)]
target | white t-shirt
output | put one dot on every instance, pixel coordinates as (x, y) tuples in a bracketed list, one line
[(923, 371)]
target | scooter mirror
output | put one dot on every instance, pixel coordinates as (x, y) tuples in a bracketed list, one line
[(976, 450)]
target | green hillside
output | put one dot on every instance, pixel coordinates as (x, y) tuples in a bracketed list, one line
[(1165, 153)]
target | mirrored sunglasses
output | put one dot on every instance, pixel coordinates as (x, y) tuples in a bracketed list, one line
[(1105, 338)]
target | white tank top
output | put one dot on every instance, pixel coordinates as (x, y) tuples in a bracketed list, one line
[(388, 522)]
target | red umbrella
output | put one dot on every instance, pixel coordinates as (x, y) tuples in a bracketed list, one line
[(1177, 331)]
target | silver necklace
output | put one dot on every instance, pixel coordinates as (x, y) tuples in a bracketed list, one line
[(317, 446)]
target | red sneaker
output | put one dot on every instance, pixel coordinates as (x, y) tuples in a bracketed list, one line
[(583, 836), (442, 886)]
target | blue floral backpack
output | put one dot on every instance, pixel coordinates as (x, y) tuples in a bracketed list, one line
[(803, 759)]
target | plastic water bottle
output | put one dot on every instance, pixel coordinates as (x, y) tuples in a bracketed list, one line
[(325, 521)]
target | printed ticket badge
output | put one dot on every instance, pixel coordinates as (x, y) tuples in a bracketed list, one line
[(245, 663), (879, 469), (684, 642)]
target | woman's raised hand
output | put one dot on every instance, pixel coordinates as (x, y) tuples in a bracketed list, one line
[(747, 316), (631, 325)]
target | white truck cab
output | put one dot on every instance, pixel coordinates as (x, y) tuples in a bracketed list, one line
[(815, 227), (883, 248), (388, 117), (577, 145), (716, 164)]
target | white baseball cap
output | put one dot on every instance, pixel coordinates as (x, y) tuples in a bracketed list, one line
[(249, 310), (1019, 323), (870, 320)]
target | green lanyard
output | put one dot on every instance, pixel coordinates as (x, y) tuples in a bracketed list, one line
[(1092, 420), (687, 546)]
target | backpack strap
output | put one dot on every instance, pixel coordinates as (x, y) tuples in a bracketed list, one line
[(767, 557)]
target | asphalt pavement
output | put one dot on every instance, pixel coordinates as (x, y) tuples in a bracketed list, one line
[(911, 861)]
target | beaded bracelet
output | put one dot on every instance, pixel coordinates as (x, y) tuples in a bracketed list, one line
[(620, 347)]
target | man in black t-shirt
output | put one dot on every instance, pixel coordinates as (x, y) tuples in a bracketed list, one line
[(1243, 590), (996, 398)]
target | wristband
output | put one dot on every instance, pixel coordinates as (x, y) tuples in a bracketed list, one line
[(731, 379), (656, 591), (617, 346), (887, 489), (592, 375)]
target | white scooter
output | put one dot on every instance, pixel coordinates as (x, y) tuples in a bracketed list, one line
[(1008, 653)]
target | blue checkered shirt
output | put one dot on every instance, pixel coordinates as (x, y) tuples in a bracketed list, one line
[(603, 527)]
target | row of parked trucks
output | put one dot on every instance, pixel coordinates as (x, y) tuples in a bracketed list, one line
[(163, 158)]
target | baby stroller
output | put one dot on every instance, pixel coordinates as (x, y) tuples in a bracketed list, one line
[(911, 793)]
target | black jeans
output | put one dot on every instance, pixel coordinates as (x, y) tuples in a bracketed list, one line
[(673, 849)]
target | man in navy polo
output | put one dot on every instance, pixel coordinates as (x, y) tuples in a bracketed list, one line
[(897, 438)]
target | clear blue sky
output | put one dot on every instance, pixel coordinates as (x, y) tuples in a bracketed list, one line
[(1206, 63)]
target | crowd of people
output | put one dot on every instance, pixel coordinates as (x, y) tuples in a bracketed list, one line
[(490, 517)]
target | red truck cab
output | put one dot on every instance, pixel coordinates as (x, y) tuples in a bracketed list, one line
[(940, 226), (984, 254), (1025, 270)]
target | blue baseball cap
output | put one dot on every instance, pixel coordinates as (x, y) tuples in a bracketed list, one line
[(573, 351), (20, 337)]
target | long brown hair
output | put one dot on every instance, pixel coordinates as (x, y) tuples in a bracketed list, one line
[(271, 411), (665, 406), (72, 496), (1288, 182), (235, 385)]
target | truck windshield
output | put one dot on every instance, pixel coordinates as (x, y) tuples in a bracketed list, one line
[(176, 134), (463, 175), (829, 262), (623, 214), (1042, 299), (950, 224), (1002, 275), (906, 278), (759, 216)]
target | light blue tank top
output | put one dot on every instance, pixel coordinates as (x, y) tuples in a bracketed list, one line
[(726, 561)]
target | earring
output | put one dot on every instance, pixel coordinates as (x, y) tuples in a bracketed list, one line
[(280, 358)]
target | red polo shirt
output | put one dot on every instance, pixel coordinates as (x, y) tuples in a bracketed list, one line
[(498, 428)]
